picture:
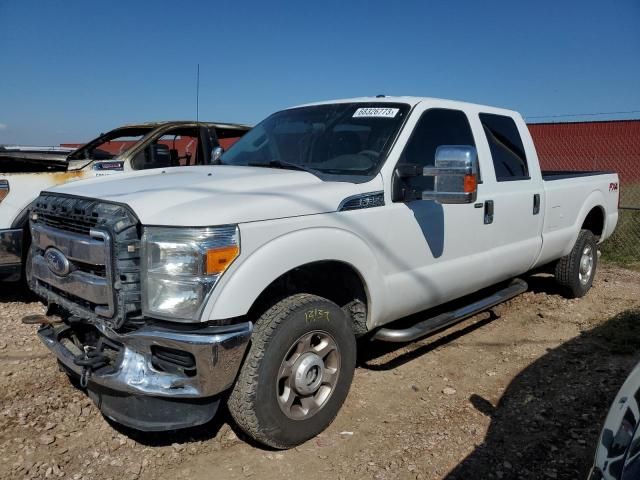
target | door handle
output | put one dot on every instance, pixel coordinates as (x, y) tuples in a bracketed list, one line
[(536, 204), (488, 212)]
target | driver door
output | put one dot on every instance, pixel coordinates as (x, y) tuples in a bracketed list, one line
[(439, 251)]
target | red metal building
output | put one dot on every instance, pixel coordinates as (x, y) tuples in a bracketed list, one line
[(604, 145)]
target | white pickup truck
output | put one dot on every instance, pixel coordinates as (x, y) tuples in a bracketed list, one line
[(170, 289), (25, 172)]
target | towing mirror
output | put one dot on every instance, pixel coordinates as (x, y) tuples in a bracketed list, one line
[(157, 155), (216, 153), (455, 175)]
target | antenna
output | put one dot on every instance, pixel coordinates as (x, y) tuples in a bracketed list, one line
[(198, 94)]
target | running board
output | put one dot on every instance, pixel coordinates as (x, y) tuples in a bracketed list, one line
[(425, 327)]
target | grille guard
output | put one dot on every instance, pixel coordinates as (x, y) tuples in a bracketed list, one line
[(101, 241), (95, 250)]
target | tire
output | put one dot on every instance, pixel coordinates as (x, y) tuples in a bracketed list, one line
[(27, 278), (25, 269), (575, 272), (265, 401)]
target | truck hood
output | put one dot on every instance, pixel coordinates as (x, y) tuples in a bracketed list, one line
[(219, 195)]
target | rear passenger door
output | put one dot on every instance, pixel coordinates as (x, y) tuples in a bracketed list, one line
[(515, 194)]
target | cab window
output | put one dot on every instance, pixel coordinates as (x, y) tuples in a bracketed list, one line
[(436, 127), (507, 150)]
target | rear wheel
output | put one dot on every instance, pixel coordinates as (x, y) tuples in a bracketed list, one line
[(297, 373), (576, 271)]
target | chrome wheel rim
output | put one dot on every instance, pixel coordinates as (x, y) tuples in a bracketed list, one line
[(586, 265), (308, 375)]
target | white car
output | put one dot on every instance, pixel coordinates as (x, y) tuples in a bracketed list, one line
[(324, 223)]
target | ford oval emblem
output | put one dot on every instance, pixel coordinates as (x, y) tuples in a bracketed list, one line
[(57, 262)]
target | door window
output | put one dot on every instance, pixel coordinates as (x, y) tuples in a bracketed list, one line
[(436, 127), (178, 147), (507, 150)]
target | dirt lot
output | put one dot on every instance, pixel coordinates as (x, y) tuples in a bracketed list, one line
[(520, 392)]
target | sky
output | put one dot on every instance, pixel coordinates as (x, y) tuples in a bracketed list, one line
[(70, 70)]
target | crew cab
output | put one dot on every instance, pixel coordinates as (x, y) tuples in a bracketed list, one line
[(24, 171), (170, 291)]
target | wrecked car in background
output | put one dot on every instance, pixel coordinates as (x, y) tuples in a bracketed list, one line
[(26, 171)]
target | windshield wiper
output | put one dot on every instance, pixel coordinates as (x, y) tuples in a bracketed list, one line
[(281, 164)]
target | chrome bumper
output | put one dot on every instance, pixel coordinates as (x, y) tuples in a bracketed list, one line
[(218, 353)]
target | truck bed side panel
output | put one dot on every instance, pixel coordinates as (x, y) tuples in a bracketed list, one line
[(568, 202)]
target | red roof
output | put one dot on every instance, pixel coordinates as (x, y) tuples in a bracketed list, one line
[(607, 145)]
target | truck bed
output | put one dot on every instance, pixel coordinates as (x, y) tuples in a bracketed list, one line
[(21, 162), (567, 203), (550, 175)]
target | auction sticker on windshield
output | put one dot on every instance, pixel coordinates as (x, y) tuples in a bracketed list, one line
[(376, 112)]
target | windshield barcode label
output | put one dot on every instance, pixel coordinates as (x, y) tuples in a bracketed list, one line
[(376, 112)]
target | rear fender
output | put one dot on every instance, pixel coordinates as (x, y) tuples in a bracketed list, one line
[(595, 199)]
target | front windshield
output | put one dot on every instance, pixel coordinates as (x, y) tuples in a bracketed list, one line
[(341, 138), (111, 145)]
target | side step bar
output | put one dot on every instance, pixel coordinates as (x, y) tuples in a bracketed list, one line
[(425, 327)]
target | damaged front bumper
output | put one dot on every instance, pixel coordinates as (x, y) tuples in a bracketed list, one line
[(10, 254), (156, 377)]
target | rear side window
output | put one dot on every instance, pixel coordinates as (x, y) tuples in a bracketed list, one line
[(507, 150), (436, 127)]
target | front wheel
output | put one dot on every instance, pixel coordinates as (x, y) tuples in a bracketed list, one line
[(297, 373), (575, 272)]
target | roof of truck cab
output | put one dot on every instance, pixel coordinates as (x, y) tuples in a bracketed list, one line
[(238, 126), (413, 101)]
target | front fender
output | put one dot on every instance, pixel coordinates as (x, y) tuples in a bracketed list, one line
[(239, 288)]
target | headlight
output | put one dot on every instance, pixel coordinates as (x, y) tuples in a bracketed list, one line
[(180, 267)]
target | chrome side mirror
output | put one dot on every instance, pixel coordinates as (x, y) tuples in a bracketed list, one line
[(216, 153), (455, 175)]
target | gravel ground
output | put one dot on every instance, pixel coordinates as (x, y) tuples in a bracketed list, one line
[(518, 392)]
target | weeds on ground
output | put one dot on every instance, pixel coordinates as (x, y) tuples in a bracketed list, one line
[(623, 247)]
